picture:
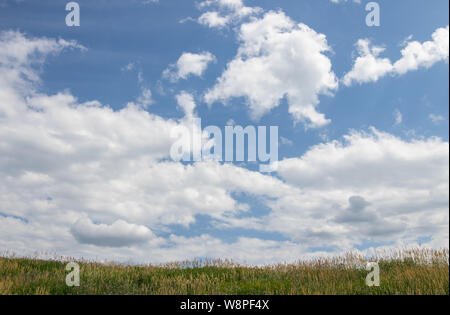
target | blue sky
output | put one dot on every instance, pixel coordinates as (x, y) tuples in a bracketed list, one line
[(402, 116), (151, 35)]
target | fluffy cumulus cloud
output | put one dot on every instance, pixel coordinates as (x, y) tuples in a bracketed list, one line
[(186, 102), (369, 67), (225, 12), (189, 64), (118, 234), (391, 188), (436, 119), (423, 55), (17, 54), (84, 180), (278, 58)]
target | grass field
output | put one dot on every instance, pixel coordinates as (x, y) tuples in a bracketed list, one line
[(418, 271)]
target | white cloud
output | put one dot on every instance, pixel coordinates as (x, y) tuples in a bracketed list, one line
[(401, 186), (385, 159), (213, 19), (423, 55), (19, 54), (369, 67), (228, 11), (278, 58), (189, 64), (436, 119), (398, 117), (118, 234), (144, 100)]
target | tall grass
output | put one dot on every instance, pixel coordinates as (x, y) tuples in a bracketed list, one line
[(419, 271)]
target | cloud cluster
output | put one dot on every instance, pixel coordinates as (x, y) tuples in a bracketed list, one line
[(278, 58), (375, 178), (84, 180), (369, 67)]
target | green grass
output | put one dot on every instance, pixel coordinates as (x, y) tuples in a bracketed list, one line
[(407, 272)]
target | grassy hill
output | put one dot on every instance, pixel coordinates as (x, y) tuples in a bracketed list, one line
[(407, 272)]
